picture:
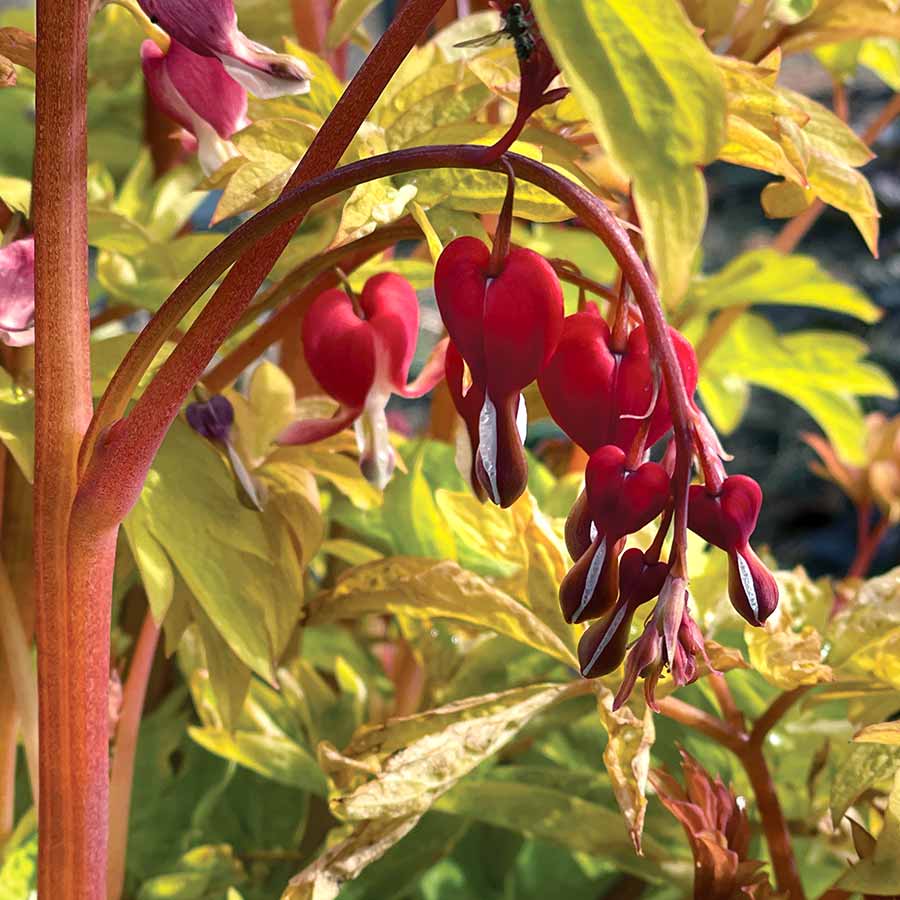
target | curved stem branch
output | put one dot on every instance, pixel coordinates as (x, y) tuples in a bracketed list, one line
[(130, 446)]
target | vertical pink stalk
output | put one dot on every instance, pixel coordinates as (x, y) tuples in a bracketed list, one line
[(125, 749), (73, 645)]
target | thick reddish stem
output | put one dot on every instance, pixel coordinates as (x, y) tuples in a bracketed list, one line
[(122, 774), (778, 837), (73, 645)]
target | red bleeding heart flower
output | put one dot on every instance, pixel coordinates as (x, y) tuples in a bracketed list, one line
[(619, 501), (623, 500), (591, 586), (505, 326), (360, 356), (726, 519), (598, 396), (602, 647), (199, 95)]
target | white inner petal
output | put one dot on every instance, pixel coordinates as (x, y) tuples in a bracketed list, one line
[(593, 576), (747, 582), (594, 532), (261, 84), (610, 632), (522, 419), (487, 445)]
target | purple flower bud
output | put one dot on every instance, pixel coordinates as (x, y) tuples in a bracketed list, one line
[(17, 293), (212, 419)]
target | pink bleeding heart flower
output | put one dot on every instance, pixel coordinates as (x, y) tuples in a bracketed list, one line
[(726, 519), (600, 397), (17, 293), (197, 93), (360, 356), (210, 28), (603, 646), (506, 327)]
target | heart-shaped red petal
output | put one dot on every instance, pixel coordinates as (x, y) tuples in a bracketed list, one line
[(577, 382), (339, 348), (392, 308), (726, 519), (623, 501)]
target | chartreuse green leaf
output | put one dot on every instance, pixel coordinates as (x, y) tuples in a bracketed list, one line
[(865, 638), (713, 17), (427, 589), (627, 757), (18, 873), (865, 765), (879, 873), (346, 18), (204, 873), (653, 94), (824, 372), (342, 862), (475, 191), (841, 20), (415, 760), (768, 277), (16, 193), (240, 565), (273, 756), (882, 56)]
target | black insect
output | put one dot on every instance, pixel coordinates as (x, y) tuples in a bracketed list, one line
[(516, 27)]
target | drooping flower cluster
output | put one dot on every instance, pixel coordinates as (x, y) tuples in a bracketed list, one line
[(200, 79)]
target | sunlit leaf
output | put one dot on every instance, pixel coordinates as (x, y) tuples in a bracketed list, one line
[(768, 277), (425, 589), (272, 756), (240, 565), (347, 16), (415, 760), (823, 372), (365, 843), (659, 113), (841, 20), (879, 873), (864, 767), (787, 658), (627, 758)]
